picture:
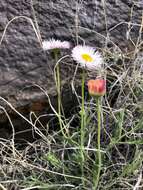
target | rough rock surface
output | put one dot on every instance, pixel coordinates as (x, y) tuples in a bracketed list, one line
[(23, 63)]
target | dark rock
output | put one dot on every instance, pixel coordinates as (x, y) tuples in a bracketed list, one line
[(23, 63)]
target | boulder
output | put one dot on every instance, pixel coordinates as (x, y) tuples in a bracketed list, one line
[(23, 63)]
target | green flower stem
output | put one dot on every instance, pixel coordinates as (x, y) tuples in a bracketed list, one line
[(82, 130), (96, 175), (58, 84)]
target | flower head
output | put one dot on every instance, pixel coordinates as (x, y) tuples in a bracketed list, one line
[(97, 87), (87, 56), (55, 44)]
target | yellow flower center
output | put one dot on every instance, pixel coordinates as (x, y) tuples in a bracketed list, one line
[(87, 57)]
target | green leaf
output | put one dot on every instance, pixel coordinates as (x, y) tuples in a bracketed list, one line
[(119, 124), (134, 166), (53, 160)]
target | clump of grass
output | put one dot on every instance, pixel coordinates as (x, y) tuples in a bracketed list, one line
[(55, 161), (98, 147)]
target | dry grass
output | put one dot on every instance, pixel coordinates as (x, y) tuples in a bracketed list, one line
[(53, 161)]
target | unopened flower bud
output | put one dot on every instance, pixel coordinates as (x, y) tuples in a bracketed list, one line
[(97, 87)]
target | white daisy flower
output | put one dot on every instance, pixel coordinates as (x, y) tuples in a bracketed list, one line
[(55, 44), (87, 57)]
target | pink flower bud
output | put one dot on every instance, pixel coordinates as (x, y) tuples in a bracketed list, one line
[(97, 87)]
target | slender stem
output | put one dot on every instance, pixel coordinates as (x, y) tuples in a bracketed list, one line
[(96, 176), (58, 84), (59, 93), (82, 130)]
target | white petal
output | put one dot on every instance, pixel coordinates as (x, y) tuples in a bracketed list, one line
[(97, 59), (55, 44)]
